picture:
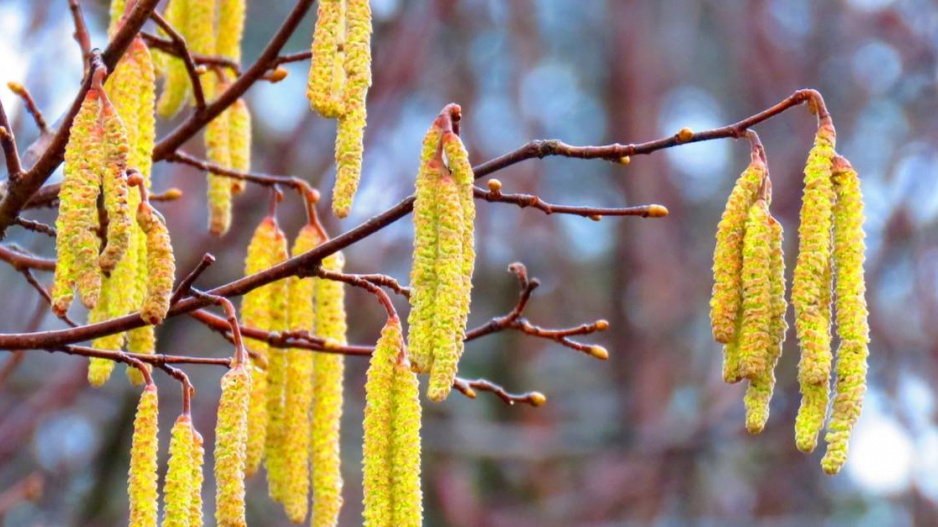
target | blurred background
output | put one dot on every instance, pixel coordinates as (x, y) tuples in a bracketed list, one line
[(651, 437)]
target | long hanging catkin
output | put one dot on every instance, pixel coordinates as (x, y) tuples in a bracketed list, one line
[(239, 137), (218, 151), (231, 435), (811, 290), (161, 265), (726, 300), (324, 76), (177, 87), (277, 364), (141, 484), (755, 339), (299, 394), (177, 490), (328, 372), (120, 222), (391, 451), (198, 459), (852, 325), (77, 223)]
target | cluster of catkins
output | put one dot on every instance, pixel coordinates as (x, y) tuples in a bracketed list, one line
[(211, 27), (748, 305), (339, 78), (441, 277), (111, 134)]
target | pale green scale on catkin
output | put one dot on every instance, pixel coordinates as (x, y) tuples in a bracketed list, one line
[(201, 36), (447, 312), (198, 477), (423, 278), (852, 314), (176, 87), (328, 374), (755, 340), (726, 300), (161, 265), (276, 375), (239, 137)]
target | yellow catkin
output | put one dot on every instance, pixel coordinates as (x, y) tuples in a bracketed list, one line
[(852, 325), (811, 290), (351, 128), (99, 370), (255, 313), (116, 12), (120, 222), (726, 299), (299, 394), (327, 36), (176, 87), (218, 151), (759, 392), (423, 279), (230, 28), (391, 451), (161, 265), (239, 137), (177, 489), (198, 459), (447, 311), (141, 484), (277, 364), (201, 35), (328, 372), (755, 338), (230, 442), (77, 223)]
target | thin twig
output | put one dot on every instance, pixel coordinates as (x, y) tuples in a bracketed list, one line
[(240, 354), (468, 389), (530, 200), (358, 281), (384, 280), (182, 51), (30, 105), (186, 284), (35, 226), (81, 30), (47, 298), (20, 259), (169, 46), (8, 144), (266, 180)]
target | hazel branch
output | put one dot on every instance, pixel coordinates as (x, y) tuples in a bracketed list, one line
[(266, 180), (182, 51), (186, 284), (35, 226), (594, 213), (30, 104), (81, 31), (358, 281), (240, 355), (468, 388), (8, 144)]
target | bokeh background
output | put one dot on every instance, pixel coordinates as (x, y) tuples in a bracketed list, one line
[(651, 437)]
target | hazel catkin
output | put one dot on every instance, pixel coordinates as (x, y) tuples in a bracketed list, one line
[(141, 484), (852, 325), (230, 442), (299, 393), (328, 372), (176, 87), (230, 28), (161, 265), (328, 34), (218, 151), (120, 222), (198, 459), (277, 364), (177, 489), (239, 137), (754, 339)]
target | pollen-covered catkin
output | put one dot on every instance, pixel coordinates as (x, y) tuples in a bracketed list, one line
[(116, 12), (327, 36), (328, 371), (218, 151), (230, 442), (230, 28), (177, 489), (161, 265), (120, 222), (255, 313), (176, 87), (276, 375), (201, 36), (239, 136), (755, 339), (423, 277), (299, 394), (99, 370), (462, 173), (759, 392), (141, 484), (198, 459), (447, 311), (351, 128), (811, 290), (726, 300), (852, 325), (391, 451)]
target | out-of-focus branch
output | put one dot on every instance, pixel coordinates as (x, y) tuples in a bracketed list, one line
[(8, 144), (30, 105), (27, 489), (266, 180), (20, 259), (35, 226), (468, 389), (81, 30)]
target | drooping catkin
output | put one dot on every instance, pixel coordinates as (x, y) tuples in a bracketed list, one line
[(161, 265), (99, 370), (327, 37), (230, 28), (239, 141), (423, 277), (726, 300), (755, 338), (77, 241), (142, 481), (218, 151), (447, 328), (811, 290), (255, 313), (391, 451), (852, 325), (299, 394), (120, 222), (461, 170), (230, 443), (116, 12), (759, 392), (328, 372), (198, 459), (351, 128), (177, 489), (277, 364), (176, 87)]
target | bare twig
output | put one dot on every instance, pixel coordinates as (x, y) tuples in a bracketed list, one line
[(240, 354), (358, 281), (8, 144), (468, 389), (20, 259), (266, 180), (186, 284), (35, 226), (384, 280), (168, 46), (30, 105), (530, 200), (182, 51), (81, 30)]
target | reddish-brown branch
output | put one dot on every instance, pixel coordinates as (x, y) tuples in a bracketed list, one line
[(35, 226), (384, 280), (182, 51), (168, 46), (468, 389), (46, 297), (358, 281), (530, 200), (81, 30), (22, 260), (30, 104), (240, 354), (266, 180), (186, 284), (8, 144)]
